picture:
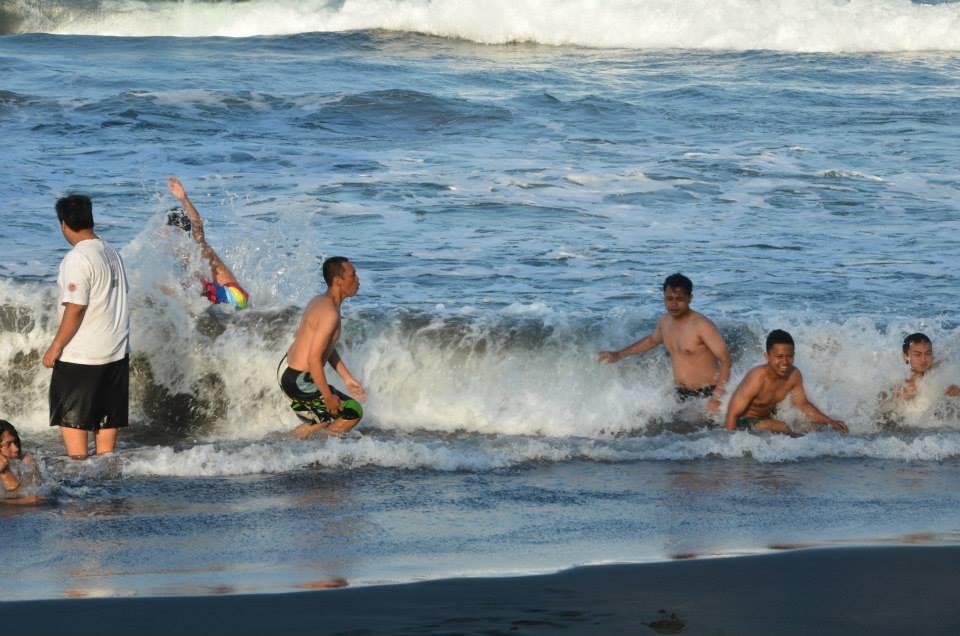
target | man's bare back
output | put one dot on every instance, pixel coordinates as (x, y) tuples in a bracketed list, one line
[(298, 356)]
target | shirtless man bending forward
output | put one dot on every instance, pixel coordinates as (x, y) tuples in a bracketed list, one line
[(319, 406), (754, 403), (701, 362)]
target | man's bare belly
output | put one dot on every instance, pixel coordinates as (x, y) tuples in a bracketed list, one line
[(694, 371)]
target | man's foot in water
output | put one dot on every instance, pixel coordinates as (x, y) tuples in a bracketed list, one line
[(305, 430)]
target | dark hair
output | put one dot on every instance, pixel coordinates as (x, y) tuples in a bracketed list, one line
[(178, 218), (76, 211), (679, 281), (333, 268), (915, 338), (779, 336), (7, 427)]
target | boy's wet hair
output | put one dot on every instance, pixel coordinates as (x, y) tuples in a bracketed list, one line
[(333, 268), (7, 427), (76, 212), (679, 281), (178, 218), (779, 336), (915, 338)]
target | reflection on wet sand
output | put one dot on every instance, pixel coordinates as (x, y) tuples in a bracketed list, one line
[(323, 585)]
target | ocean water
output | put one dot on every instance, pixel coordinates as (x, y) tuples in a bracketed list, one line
[(513, 181)]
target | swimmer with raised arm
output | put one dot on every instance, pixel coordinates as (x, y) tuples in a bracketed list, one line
[(222, 286), (753, 405), (701, 362), (319, 406), (918, 354)]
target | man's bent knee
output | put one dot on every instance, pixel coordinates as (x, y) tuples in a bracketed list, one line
[(342, 425)]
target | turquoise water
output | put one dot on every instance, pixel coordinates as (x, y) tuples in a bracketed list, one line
[(512, 191)]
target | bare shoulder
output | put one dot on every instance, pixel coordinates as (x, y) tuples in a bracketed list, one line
[(703, 323), (663, 325), (795, 379), (319, 304), (754, 380), (314, 310)]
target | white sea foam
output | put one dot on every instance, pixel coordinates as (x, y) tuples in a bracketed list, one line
[(481, 454), (528, 370), (787, 25)]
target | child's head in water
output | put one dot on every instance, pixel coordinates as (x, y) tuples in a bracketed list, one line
[(918, 353), (9, 441)]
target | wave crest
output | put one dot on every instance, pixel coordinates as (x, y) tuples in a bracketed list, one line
[(787, 25)]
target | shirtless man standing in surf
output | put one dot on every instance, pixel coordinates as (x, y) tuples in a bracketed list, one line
[(319, 406), (701, 362), (754, 403)]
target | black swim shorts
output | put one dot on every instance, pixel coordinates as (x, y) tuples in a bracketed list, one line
[(90, 396), (684, 394), (307, 403)]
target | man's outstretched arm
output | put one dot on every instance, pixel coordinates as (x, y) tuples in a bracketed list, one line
[(640, 346), (798, 396), (219, 271), (196, 221)]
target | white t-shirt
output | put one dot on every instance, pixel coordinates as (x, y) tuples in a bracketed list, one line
[(92, 274)]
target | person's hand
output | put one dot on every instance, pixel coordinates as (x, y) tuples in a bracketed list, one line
[(333, 403), (176, 188), (607, 357), (356, 389), (838, 426), (52, 355), (713, 405), (953, 391)]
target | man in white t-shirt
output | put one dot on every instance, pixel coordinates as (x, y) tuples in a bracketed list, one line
[(90, 353)]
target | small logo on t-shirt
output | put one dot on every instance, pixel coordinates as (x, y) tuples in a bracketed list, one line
[(72, 287)]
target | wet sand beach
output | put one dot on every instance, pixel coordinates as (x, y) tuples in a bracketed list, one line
[(875, 590)]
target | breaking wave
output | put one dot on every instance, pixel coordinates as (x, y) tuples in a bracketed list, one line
[(786, 25)]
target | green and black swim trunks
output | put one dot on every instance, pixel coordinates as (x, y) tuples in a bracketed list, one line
[(307, 403), (748, 423), (745, 423)]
